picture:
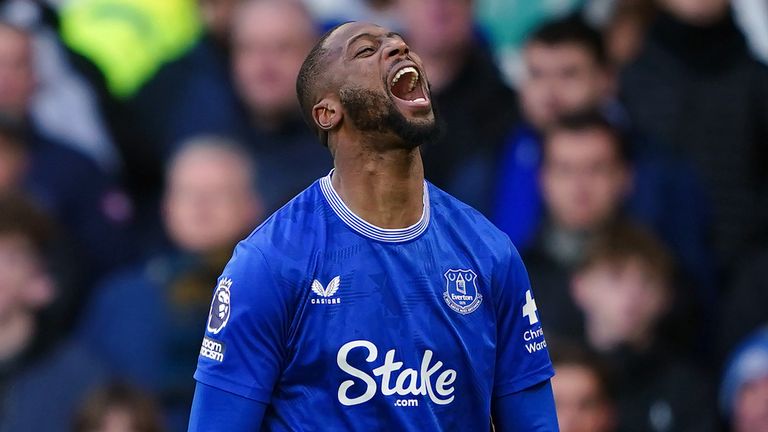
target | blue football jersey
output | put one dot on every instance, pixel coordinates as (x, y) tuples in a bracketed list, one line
[(337, 324)]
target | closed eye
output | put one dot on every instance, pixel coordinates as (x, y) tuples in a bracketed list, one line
[(365, 51)]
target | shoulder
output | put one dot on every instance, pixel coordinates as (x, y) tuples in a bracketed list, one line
[(287, 242), (293, 227), (452, 215)]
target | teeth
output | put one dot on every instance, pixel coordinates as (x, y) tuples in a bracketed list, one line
[(406, 70), (419, 100)]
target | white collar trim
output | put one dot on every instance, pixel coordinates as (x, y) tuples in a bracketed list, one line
[(358, 224)]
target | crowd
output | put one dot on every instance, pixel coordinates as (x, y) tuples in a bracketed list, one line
[(628, 162)]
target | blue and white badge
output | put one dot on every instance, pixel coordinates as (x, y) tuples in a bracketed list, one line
[(220, 306), (461, 292)]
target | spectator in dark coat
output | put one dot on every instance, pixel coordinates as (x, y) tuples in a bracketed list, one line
[(585, 179), (42, 376), (155, 309), (189, 96), (624, 288), (92, 211), (568, 72), (68, 184), (270, 40), (476, 107), (696, 86)]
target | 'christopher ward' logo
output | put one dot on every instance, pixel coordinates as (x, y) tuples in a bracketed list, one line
[(533, 338), (326, 294), (430, 379), (212, 349)]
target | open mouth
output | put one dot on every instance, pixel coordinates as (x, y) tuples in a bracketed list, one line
[(407, 86)]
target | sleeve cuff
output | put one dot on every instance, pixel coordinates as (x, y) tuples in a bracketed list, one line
[(240, 389), (529, 380)]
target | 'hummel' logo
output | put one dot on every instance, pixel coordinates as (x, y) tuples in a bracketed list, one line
[(326, 292)]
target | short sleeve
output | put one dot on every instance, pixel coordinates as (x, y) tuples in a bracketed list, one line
[(246, 331), (522, 359)]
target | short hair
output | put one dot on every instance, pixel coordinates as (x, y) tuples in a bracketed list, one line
[(140, 406), (589, 119), (220, 143), (573, 354), (311, 72), (19, 216), (574, 30), (624, 241)]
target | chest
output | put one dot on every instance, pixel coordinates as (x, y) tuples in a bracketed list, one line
[(403, 320)]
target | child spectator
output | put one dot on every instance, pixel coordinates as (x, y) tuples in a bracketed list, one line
[(624, 288), (583, 393)]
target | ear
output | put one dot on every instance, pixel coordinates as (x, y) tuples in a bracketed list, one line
[(327, 114)]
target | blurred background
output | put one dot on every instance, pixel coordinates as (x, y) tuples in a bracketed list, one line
[(621, 144)]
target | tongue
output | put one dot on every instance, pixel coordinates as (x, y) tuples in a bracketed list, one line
[(401, 87)]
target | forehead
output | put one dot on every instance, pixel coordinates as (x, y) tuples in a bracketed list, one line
[(349, 31)]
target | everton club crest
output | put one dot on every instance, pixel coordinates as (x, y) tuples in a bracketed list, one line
[(461, 292)]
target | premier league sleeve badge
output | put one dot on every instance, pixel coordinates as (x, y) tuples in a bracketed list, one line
[(220, 307)]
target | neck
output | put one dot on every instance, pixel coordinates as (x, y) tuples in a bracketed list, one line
[(385, 188)]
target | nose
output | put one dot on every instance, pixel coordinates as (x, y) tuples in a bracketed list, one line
[(397, 48)]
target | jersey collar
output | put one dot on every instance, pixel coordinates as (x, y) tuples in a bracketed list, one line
[(359, 225)]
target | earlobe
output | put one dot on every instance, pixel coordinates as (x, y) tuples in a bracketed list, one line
[(326, 115)]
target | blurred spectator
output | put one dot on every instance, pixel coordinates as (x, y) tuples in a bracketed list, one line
[(626, 28), (585, 179), (270, 40), (145, 321), (189, 96), (42, 379), (624, 288), (476, 107), (569, 73), (696, 86), (71, 188), (118, 407), (745, 307), (583, 391), (744, 389), (64, 104)]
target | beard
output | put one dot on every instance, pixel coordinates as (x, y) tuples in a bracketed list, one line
[(374, 112)]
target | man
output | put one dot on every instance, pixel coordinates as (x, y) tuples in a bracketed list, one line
[(568, 72), (477, 108), (270, 39), (68, 184), (155, 308), (697, 87), (584, 179), (39, 372), (373, 300)]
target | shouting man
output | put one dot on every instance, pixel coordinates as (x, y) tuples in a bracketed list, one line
[(373, 300)]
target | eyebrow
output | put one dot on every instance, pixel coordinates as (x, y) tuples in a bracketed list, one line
[(372, 36)]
